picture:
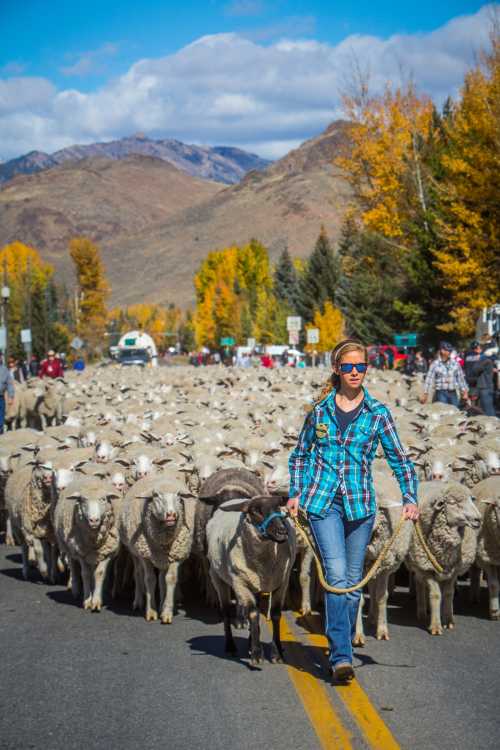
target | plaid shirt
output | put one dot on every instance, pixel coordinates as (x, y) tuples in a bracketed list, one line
[(445, 376), (324, 461)]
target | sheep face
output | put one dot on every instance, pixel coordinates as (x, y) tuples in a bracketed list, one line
[(488, 464), (118, 481), (459, 508), (104, 452), (93, 510), (259, 510), (64, 477), (438, 468), (165, 507), (142, 467), (277, 480), (43, 475)]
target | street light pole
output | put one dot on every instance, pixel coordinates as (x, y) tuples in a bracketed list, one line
[(5, 302)]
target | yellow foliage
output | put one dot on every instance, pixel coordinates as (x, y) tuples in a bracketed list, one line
[(384, 137), (161, 323), (331, 325), (470, 224), (93, 290)]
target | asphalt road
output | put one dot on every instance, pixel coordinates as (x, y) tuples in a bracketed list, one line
[(72, 679)]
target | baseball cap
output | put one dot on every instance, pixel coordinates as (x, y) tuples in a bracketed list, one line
[(474, 344), (446, 346)]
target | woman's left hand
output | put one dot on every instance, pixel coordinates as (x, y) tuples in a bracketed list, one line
[(410, 511)]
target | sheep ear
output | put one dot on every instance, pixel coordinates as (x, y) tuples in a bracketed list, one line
[(112, 495), (74, 496), (239, 505), (122, 462)]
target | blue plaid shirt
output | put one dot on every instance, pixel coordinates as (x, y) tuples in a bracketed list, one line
[(324, 461)]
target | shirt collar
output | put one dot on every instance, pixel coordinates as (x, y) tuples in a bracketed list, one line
[(369, 402)]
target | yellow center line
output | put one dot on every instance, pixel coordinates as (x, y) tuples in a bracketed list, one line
[(330, 731), (377, 733)]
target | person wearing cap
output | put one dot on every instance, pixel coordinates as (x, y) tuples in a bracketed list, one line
[(51, 367), (480, 372), (6, 387), (446, 377)]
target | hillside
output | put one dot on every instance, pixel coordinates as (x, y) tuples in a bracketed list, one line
[(218, 163), (285, 205), (99, 198), (155, 224)]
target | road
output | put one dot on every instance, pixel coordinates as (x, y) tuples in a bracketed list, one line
[(77, 680)]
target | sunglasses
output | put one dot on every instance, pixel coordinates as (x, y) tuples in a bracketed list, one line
[(347, 367)]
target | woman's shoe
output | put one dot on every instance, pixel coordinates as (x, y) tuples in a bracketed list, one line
[(343, 672)]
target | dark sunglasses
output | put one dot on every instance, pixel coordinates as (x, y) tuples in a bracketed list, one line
[(347, 367)]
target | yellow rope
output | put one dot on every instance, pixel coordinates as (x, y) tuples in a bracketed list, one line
[(301, 527)]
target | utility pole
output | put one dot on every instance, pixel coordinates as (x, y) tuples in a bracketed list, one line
[(29, 346)]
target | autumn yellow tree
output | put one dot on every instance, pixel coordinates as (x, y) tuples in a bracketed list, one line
[(93, 291), (468, 255), (160, 322), (331, 325)]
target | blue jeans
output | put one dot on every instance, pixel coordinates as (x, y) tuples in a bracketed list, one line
[(2, 413), (342, 546), (447, 397), (487, 402)]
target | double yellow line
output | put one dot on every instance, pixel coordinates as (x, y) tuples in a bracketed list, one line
[(316, 699)]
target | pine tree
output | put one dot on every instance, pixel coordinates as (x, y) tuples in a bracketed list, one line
[(320, 279), (285, 281)]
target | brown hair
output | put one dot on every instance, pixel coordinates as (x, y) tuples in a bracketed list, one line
[(343, 347)]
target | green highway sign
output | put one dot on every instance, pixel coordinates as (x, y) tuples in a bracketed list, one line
[(227, 341), (405, 339)]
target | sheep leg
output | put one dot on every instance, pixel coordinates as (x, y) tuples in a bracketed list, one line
[(51, 550), (41, 562), (26, 564), (87, 584), (277, 655), (9, 534), (382, 594), (448, 593), (475, 584), (139, 591), (256, 653), (305, 576), (150, 586), (74, 579), (99, 578), (372, 607), (493, 590), (421, 593), (224, 594), (359, 636), (171, 576), (434, 590)]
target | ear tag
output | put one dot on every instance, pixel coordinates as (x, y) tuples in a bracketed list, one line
[(321, 430)]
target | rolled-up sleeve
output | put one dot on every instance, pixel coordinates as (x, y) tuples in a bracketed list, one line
[(398, 459), (300, 456), (10, 386)]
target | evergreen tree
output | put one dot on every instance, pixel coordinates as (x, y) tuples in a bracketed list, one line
[(320, 279), (285, 281)]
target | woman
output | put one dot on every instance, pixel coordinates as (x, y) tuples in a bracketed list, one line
[(330, 471)]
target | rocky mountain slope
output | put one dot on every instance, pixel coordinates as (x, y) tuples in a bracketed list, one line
[(155, 224), (219, 163)]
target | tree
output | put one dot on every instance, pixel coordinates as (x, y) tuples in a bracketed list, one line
[(468, 255), (320, 278), (286, 281), (331, 325), (93, 291)]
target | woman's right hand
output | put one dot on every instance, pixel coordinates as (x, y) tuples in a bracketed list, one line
[(293, 506)]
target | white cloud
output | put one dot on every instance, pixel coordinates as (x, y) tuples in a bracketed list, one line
[(91, 62), (225, 89)]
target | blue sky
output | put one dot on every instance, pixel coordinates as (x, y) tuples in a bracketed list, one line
[(263, 74)]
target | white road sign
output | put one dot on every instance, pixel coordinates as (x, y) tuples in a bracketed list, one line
[(293, 337), (293, 323), (313, 335), (251, 343), (77, 343), (26, 336)]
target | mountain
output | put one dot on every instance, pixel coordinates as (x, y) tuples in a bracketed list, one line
[(155, 224), (219, 163), (98, 198)]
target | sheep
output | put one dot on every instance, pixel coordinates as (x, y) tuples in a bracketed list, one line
[(85, 525), (30, 494), (450, 523), (389, 511), (251, 550), (487, 497), (156, 525), (43, 404)]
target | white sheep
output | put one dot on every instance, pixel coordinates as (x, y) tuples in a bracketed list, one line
[(487, 497)]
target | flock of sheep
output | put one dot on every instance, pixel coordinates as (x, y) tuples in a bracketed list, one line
[(126, 474)]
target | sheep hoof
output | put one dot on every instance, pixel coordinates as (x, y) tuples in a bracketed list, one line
[(436, 630), (256, 658), (304, 611), (96, 605), (276, 659), (87, 604), (359, 641), (9, 541), (60, 566), (382, 635), (167, 618), (151, 615), (495, 615), (450, 626)]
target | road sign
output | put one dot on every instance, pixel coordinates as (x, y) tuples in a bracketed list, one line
[(293, 323), (293, 338), (251, 343), (406, 339), (77, 343), (227, 341), (26, 336), (313, 335), (3, 338)]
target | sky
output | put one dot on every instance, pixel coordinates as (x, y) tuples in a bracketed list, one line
[(260, 74)]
